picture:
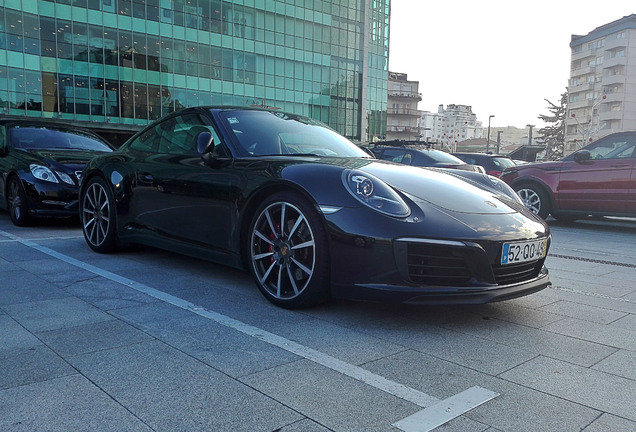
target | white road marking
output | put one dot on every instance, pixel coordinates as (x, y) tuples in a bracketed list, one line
[(436, 412), (445, 410)]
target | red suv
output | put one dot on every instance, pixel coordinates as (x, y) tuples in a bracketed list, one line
[(598, 180)]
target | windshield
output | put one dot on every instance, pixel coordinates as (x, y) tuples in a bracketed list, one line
[(266, 133), (503, 163), (31, 137), (441, 156)]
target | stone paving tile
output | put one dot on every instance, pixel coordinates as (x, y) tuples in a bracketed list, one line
[(621, 363), (26, 366), (55, 314), (55, 271), (516, 409), (349, 345), (610, 423), (626, 323), (459, 347), (221, 347), (19, 286), (330, 398), (14, 252), (305, 425), (594, 298), (599, 390), (608, 335), (14, 336), (108, 295), (92, 337), (584, 312), (179, 393), (69, 403)]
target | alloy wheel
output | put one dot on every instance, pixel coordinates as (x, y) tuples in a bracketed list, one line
[(530, 199), (283, 250), (96, 217)]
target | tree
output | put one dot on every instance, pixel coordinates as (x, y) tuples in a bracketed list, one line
[(554, 134)]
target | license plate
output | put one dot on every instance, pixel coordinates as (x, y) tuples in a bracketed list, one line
[(519, 252)]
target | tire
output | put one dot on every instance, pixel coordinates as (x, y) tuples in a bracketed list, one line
[(290, 266), (534, 198), (98, 216), (17, 203)]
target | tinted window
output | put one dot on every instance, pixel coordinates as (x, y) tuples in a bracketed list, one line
[(502, 163), (47, 138), (268, 133), (393, 155), (440, 156)]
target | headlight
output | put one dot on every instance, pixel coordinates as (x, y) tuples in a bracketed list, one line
[(65, 177), (43, 173), (374, 193), (503, 187)]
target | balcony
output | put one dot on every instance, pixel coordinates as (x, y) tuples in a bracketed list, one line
[(403, 129), (616, 61), (403, 112), (615, 43), (613, 79), (405, 95)]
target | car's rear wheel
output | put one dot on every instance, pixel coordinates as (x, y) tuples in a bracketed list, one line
[(17, 203), (288, 252), (98, 216), (534, 198)]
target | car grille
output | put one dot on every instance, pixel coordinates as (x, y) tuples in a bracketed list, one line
[(439, 263), (436, 265), (514, 273)]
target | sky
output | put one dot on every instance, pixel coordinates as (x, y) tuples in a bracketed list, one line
[(502, 57)]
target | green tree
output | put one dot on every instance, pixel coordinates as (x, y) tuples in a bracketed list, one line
[(553, 135)]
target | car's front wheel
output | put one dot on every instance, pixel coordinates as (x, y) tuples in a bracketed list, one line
[(17, 203), (288, 252), (97, 214), (534, 198)]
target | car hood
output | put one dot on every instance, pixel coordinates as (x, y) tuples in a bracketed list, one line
[(440, 189), (68, 157)]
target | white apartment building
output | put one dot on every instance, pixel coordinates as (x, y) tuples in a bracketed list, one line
[(449, 126), (402, 119), (602, 85)]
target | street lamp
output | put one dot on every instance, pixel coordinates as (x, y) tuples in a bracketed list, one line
[(530, 134), (488, 139), (499, 140)]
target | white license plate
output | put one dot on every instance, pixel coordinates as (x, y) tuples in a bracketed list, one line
[(519, 252)]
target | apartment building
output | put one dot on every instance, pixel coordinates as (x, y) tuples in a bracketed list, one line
[(402, 119), (602, 85), (111, 65), (450, 125)]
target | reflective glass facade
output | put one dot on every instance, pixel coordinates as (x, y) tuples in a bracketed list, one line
[(130, 61)]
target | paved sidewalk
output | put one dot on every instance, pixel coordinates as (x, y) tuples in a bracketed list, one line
[(80, 351)]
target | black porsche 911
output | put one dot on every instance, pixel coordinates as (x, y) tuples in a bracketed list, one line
[(311, 215), (40, 164)]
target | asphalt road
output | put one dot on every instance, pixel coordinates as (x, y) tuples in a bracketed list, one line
[(145, 340)]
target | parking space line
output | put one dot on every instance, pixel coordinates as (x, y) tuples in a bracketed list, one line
[(16, 240), (446, 410), (459, 404)]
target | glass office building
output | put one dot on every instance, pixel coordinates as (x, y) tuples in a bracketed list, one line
[(123, 63)]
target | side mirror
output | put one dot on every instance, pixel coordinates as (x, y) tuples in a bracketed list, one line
[(582, 156), (205, 145)]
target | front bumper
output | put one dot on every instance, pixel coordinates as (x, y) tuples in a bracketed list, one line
[(51, 199), (420, 268)]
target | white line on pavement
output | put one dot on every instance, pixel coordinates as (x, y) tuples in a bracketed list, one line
[(436, 412)]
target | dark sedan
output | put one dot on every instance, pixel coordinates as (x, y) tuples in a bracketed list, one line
[(40, 165), (425, 157), (310, 214), (493, 164), (598, 180)]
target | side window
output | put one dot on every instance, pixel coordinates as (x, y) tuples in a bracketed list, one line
[(179, 135), (393, 155), (408, 158), (616, 148), (147, 141)]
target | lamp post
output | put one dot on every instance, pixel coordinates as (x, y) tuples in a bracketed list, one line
[(499, 140), (530, 134), (488, 139)]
